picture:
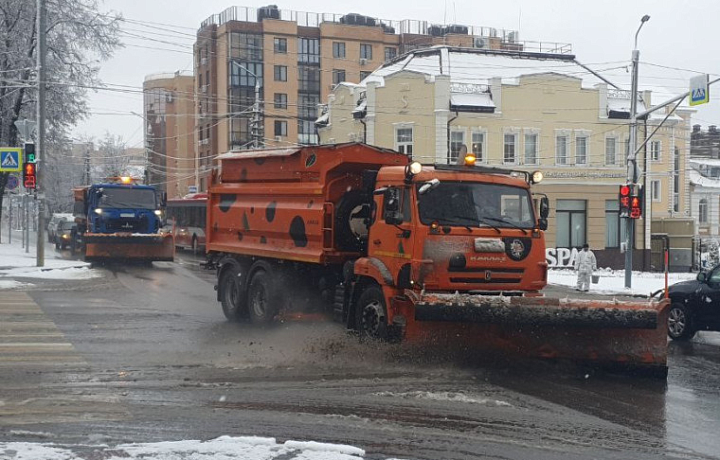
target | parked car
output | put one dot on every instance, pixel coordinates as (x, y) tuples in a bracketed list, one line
[(695, 305), (54, 220), (63, 234)]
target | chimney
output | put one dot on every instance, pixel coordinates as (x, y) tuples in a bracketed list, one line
[(696, 128), (712, 129)]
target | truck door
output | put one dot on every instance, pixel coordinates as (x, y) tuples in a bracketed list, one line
[(391, 234)]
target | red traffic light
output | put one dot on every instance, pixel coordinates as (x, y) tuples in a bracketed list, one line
[(624, 190), (29, 175)]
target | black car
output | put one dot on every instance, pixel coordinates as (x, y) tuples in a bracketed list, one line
[(695, 305), (63, 234)]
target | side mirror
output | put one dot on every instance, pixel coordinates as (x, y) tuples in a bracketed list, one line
[(702, 277), (544, 209), (163, 199), (542, 224), (391, 206)]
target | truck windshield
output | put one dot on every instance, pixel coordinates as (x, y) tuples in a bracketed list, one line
[(477, 204), (128, 198)]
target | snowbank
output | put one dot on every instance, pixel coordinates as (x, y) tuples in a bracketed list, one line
[(222, 448), (446, 396), (16, 263), (613, 281)]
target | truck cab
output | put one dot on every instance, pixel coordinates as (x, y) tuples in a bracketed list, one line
[(126, 208)]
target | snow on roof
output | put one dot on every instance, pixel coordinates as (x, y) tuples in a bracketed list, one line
[(698, 179), (705, 161), (360, 107), (471, 100), (323, 119)]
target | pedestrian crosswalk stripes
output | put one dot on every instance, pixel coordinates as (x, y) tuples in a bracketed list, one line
[(29, 338)]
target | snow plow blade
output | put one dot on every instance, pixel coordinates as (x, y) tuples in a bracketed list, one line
[(626, 336), (128, 246)]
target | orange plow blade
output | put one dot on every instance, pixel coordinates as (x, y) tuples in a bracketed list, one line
[(129, 246), (627, 336)]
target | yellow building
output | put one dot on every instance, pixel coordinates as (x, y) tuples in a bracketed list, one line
[(170, 133), (524, 111)]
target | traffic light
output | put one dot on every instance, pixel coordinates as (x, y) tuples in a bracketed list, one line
[(636, 204), (624, 198), (30, 153), (29, 175)]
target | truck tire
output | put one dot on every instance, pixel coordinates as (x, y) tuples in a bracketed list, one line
[(351, 204), (680, 324), (232, 293), (372, 314), (263, 299)]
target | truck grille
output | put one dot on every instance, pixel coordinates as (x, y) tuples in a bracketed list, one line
[(486, 275), (125, 225)]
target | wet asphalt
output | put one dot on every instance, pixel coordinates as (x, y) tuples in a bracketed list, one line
[(145, 354)]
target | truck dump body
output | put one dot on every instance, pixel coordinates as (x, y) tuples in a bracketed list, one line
[(282, 203)]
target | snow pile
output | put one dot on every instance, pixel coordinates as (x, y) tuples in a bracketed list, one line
[(613, 281), (446, 396), (222, 448), (16, 263)]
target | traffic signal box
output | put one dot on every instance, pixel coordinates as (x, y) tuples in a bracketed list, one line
[(29, 167), (631, 201)]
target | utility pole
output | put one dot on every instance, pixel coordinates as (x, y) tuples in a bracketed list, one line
[(87, 164), (632, 173), (41, 153)]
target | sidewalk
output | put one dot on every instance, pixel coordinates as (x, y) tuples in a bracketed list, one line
[(16, 264)]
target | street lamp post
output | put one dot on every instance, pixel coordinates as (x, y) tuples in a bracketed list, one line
[(632, 173), (256, 136)]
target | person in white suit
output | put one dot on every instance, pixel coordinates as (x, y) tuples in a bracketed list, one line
[(585, 263)]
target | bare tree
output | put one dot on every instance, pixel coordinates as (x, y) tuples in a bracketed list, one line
[(111, 158), (78, 37)]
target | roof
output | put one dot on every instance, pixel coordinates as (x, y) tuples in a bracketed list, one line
[(698, 179), (471, 101), (705, 161), (260, 153)]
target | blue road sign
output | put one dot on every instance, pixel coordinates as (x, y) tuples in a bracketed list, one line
[(12, 183), (10, 159)]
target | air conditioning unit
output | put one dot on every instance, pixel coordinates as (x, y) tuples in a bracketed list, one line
[(278, 138), (481, 43), (203, 89), (363, 61)]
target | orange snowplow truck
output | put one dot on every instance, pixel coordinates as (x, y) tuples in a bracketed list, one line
[(445, 254)]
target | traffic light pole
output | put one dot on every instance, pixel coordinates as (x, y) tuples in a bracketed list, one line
[(41, 154)]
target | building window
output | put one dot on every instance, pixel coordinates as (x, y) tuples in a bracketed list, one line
[(339, 50), (246, 47), (509, 144), (390, 53), (655, 190), (364, 75), (581, 145), (457, 142), (281, 101), (242, 74), (703, 211), (280, 45), (676, 181), (561, 149), (610, 151), (478, 146), (309, 50), (365, 51), (280, 128), (531, 149), (655, 152), (308, 79), (404, 139), (571, 223), (307, 114), (614, 227), (280, 73), (338, 76)]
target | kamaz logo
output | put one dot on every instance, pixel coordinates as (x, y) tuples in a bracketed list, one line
[(126, 225)]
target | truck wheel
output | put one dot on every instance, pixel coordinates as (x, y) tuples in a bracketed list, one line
[(680, 323), (372, 314), (262, 298), (232, 294), (350, 221)]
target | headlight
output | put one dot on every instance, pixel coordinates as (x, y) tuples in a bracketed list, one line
[(415, 168), (98, 211), (65, 237), (158, 212), (537, 177)]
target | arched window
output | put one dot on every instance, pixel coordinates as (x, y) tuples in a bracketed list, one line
[(703, 211)]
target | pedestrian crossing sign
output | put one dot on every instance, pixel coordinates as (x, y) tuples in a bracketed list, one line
[(10, 159)]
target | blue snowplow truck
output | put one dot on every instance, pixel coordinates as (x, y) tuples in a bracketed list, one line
[(121, 220)]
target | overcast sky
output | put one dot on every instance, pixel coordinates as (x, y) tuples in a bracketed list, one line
[(682, 35)]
